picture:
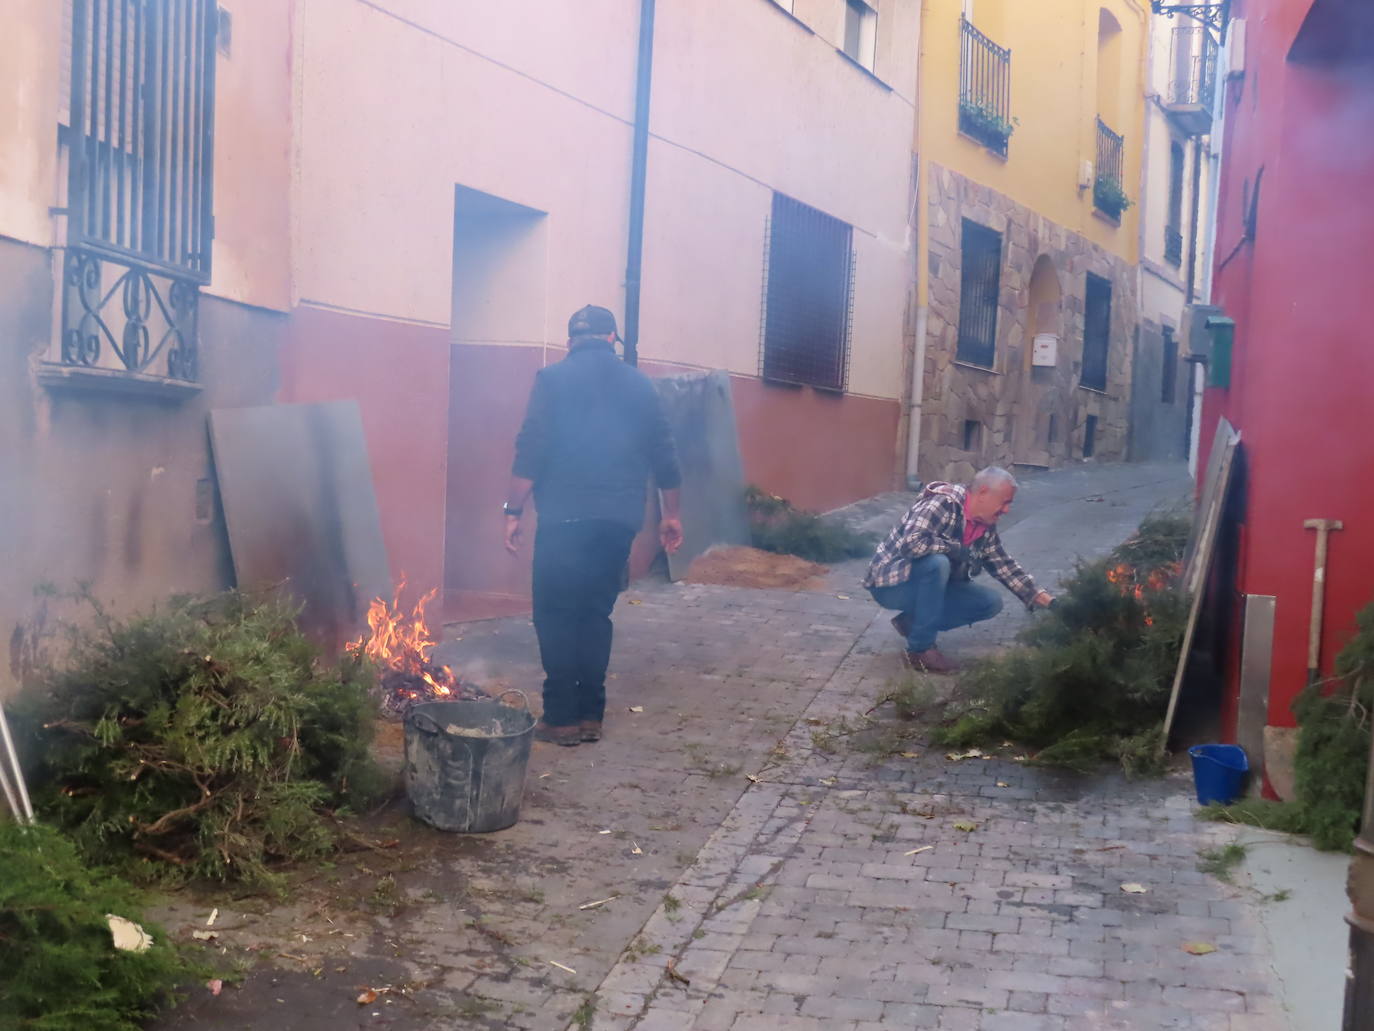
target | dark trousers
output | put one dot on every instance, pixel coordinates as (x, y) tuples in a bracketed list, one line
[(577, 576)]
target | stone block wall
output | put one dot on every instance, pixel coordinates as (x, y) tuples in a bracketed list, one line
[(1013, 402)]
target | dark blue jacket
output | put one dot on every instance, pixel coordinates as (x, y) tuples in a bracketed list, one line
[(593, 433)]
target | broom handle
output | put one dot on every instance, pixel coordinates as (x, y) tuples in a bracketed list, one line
[(13, 757)]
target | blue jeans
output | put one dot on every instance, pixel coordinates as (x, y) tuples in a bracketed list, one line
[(933, 603)]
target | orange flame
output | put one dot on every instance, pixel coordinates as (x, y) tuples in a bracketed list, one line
[(403, 642), (1127, 578)]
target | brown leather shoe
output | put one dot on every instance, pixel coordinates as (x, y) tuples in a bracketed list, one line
[(591, 731), (568, 737), (901, 623), (932, 660)]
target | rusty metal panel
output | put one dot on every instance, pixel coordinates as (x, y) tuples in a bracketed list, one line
[(301, 511), (1256, 660), (701, 412)]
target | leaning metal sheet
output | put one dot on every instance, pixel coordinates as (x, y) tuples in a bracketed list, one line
[(702, 414), (301, 511)]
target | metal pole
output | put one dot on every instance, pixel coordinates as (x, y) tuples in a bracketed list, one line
[(638, 169), (12, 756), (1359, 973)]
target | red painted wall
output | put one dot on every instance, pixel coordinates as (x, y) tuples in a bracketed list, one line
[(398, 373), (441, 421), (1302, 385), (819, 450)]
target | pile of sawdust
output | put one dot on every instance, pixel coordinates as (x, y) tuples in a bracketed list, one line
[(750, 567)]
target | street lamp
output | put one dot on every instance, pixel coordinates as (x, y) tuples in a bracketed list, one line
[(1213, 16)]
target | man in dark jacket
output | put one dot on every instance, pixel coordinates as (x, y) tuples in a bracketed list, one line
[(594, 431), (924, 567)]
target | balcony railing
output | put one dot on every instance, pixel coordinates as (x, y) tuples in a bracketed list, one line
[(1192, 78), (1109, 189), (1173, 246), (984, 89)]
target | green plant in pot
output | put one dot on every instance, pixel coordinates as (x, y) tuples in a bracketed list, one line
[(985, 124), (1109, 196)]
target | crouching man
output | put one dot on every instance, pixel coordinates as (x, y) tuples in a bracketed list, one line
[(923, 569)]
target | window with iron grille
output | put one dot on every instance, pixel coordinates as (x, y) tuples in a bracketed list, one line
[(808, 296), (980, 277), (1097, 324), (139, 132), (984, 89)]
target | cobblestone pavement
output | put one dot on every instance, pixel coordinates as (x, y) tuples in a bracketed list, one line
[(916, 891), (795, 888)]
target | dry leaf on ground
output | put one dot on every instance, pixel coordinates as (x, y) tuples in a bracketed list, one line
[(1134, 889), (127, 935), (1199, 948)]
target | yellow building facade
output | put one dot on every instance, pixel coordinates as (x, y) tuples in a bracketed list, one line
[(1029, 165)]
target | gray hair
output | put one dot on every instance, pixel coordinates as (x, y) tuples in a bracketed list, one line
[(993, 476)]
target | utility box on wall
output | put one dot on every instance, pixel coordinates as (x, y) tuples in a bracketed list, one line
[(1044, 350), (1223, 332)]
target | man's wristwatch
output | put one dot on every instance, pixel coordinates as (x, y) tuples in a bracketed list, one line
[(510, 509)]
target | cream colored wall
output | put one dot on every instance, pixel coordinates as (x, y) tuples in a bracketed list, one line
[(253, 126), (30, 68), (252, 142), (418, 107), (1164, 297), (745, 101)]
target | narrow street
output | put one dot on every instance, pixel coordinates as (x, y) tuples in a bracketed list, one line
[(795, 881)]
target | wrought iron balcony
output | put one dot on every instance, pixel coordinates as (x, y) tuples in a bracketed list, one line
[(125, 318), (984, 89), (139, 134), (1173, 246), (1109, 185), (1192, 79)]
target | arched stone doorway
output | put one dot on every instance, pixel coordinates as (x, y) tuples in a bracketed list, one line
[(1037, 432)]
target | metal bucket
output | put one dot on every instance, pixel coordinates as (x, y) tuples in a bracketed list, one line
[(465, 763)]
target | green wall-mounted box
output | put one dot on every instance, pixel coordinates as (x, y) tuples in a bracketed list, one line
[(1223, 333)]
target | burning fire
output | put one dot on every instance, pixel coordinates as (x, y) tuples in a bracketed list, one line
[(1127, 577), (401, 644)]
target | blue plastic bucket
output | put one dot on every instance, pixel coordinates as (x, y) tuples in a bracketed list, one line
[(1219, 773)]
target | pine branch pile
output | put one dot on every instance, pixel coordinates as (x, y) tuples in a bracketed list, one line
[(61, 969), (1094, 670), (776, 525), (204, 739), (1332, 756)]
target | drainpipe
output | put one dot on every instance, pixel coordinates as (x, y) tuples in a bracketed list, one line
[(916, 389), (918, 386), (634, 257), (1359, 974)]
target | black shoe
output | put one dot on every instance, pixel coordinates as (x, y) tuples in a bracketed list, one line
[(591, 731), (568, 737)]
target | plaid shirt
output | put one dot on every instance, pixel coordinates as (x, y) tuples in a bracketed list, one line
[(935, 526)]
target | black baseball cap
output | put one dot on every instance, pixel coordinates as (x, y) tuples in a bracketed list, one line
[(592, 321)]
